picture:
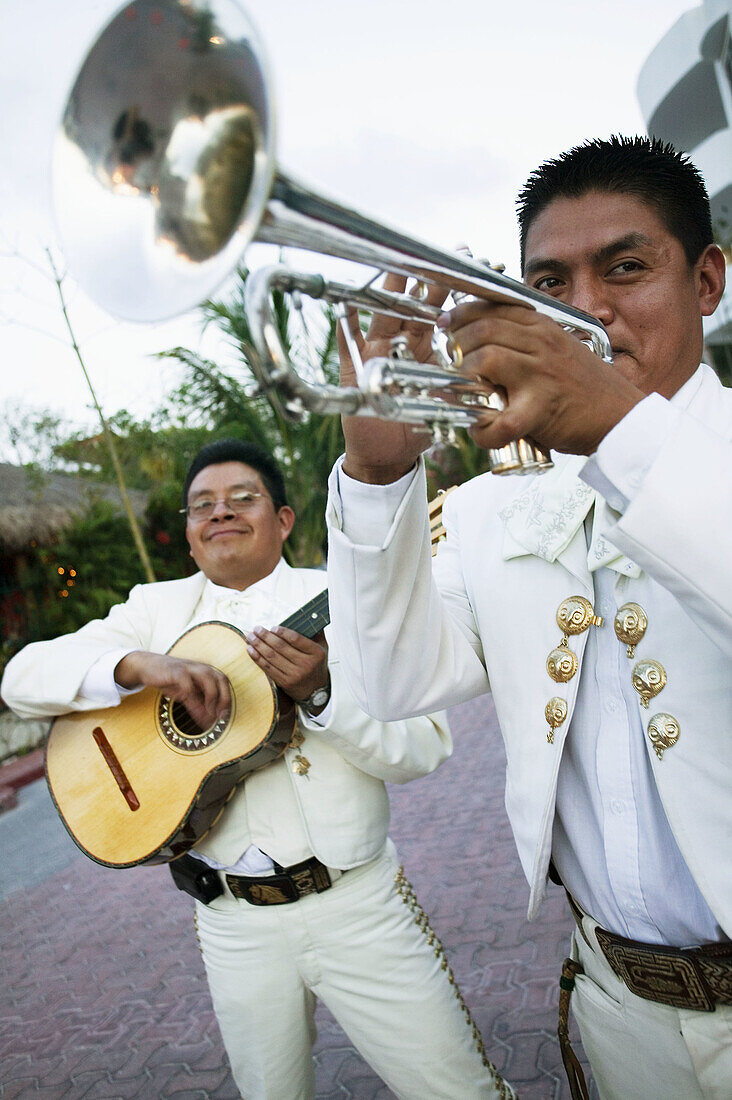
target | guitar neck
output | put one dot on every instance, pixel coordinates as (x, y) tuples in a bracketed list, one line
[(312, 618)]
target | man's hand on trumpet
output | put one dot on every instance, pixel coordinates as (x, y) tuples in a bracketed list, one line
[(558, 392), (382, 451)]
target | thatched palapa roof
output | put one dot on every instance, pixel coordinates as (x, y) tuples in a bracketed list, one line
[(38, 506)]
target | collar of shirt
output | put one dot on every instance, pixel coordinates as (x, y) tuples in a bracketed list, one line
[(258, 605), (544, 518)]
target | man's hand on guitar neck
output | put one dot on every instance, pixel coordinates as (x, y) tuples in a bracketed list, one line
[(297, 664), (201, 689)]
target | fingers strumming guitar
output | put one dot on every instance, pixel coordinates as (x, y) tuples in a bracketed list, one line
[(200, 688)]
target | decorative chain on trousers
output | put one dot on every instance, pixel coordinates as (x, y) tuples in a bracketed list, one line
[(406, 892), (198, 938)]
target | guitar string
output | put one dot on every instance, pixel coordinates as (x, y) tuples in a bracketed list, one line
[(318, 604), (302, 620)]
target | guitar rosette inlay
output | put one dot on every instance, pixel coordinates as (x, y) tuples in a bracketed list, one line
[(182, 733)]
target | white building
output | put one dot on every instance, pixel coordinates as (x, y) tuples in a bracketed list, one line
[(685, 95)]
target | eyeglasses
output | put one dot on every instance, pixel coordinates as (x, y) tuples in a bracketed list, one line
[(236, 503)]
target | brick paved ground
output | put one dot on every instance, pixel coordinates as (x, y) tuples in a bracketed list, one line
[(102, 991)]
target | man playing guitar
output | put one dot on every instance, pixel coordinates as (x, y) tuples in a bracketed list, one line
[(298, 889)]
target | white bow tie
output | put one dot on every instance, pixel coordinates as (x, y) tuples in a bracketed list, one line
[(545, 517), (238, 608), (236, 599), (248, 609)]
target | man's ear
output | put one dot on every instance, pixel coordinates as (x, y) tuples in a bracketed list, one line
[(286, 519), (190, 547), (711, 274)]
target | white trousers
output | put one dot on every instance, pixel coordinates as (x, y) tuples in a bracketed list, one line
[(639, 1049), (358, 948)]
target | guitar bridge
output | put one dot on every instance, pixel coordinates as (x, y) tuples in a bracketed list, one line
[(118, 772)]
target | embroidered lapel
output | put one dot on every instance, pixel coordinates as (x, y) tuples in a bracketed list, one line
[(546, 518)]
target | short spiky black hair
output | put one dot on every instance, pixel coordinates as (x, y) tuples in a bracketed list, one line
[(240, 450), (646, 168)]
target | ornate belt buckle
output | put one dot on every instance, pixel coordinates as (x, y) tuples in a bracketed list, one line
[(657, 975), (273, 890), (310, 877), (313, 879), (717, 973)]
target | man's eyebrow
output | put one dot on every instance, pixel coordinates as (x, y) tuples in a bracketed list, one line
[(627, 243), (545, 263), (250, 486)]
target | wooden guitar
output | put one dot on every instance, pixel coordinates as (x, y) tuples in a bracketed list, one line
[(141, 782)]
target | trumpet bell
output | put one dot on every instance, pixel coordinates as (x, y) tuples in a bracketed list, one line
[(164, 159)]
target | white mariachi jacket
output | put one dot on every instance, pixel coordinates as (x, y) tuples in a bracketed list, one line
[(484, 619), (341, 803)]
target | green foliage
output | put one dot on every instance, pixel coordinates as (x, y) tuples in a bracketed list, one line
[(8, 648), (165, 532), (92, 566), (151, 452)]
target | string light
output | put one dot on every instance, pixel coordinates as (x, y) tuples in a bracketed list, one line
[(68, 580)]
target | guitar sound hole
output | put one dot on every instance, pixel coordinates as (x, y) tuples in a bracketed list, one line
[(183, 722), (183, 732)]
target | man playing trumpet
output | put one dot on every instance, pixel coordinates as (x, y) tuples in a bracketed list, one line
[(594, 600)]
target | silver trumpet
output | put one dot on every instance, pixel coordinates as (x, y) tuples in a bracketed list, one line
[(164, 172)]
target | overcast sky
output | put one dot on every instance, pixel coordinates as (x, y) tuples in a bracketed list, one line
[(425, 114)]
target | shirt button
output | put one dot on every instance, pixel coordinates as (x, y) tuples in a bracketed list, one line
[(617, 807), (611, 705), (606, 608)]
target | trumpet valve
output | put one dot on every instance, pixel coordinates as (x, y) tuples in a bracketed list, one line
[(399, 348)]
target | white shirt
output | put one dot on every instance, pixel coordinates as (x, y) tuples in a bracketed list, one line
[(612, 844)]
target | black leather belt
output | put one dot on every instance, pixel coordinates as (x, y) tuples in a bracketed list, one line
[(682, 977), (287, 885)]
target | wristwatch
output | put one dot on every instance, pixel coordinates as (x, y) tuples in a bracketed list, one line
[(317, 699)]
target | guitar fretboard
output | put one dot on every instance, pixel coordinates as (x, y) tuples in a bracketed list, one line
[(311, 618)]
